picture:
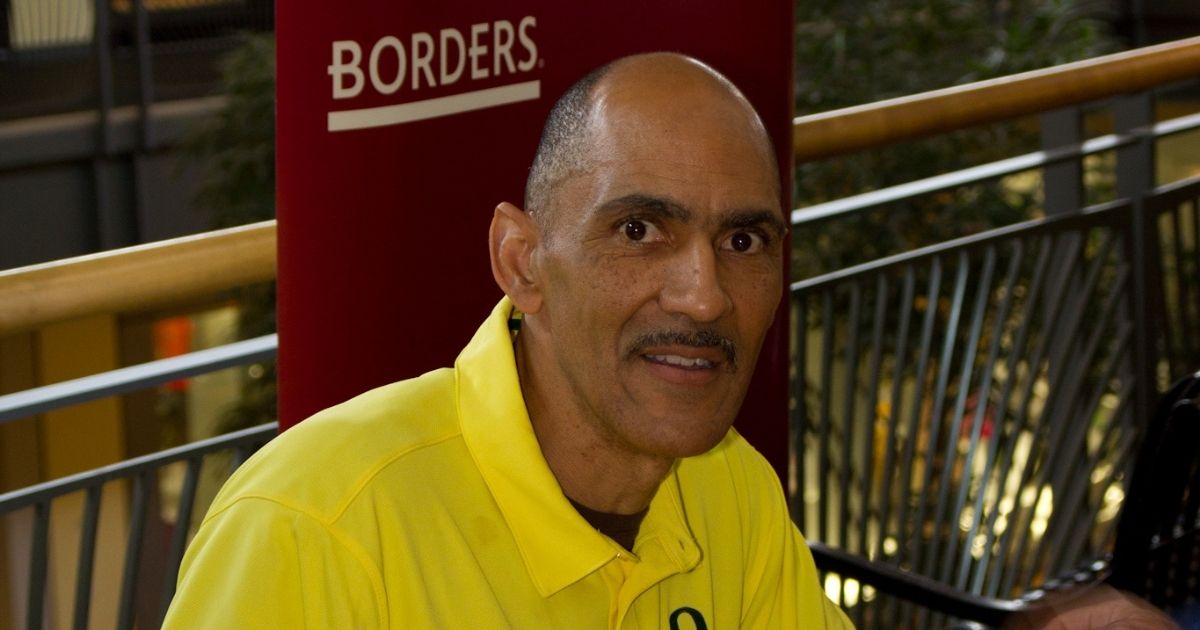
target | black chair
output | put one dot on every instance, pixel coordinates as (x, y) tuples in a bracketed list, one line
[(1157, 549)]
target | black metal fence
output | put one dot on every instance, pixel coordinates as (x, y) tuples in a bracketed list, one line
[(969, 411), (137, 492), (147, 576)]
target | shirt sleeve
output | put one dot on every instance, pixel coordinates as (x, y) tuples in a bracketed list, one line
[(258, 564), (783, 587)]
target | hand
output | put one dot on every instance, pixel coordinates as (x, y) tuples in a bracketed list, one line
[(1100, 607)]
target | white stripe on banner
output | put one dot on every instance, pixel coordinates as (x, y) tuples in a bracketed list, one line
[(434, 107)]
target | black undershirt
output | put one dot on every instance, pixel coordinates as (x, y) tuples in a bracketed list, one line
[(622, 528)]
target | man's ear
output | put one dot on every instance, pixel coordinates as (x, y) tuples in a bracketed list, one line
[(512, 240)]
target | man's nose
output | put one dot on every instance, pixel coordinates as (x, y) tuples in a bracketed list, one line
[(694, 287)]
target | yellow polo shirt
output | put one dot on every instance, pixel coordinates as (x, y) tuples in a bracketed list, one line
[(427, 504)]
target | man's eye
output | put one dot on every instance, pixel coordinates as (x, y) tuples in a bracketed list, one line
[(745, 242), (638, 230)]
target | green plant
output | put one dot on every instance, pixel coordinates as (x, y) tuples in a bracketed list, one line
[(850, 53), (236, 145)]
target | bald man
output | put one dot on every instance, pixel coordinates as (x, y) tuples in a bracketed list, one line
[(577, 467)]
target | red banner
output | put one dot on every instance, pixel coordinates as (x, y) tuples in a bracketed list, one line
[(401, 125)]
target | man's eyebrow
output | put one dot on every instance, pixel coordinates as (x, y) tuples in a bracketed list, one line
[(657, 207), (757, 218)]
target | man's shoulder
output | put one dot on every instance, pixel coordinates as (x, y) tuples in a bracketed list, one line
[(319, 465)]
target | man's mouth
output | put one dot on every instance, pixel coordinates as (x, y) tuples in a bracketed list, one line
[(675, 360), (699, 350)]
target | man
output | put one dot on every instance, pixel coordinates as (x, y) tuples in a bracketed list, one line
[(576, 468)]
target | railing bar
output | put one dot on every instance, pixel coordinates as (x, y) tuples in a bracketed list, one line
[(935, 277), (1060, 367), (133, 551), (1079, 431), (868, 545), (1135, 177), (799, 507), (104, 75), (1074, 547), (240, 455), (37, 566), (980, 416), (183, 521), (1087, 217), (1051, 323), (939, 399), (1195, 216), (881, 300), (1181, 285), (1074, 441), (1108, 535), (1069, 374), (1174, 126), (145, 74), (1188, 314), (135, 377), (949, 458), (972, 175), (1168, 318), (18, 499), (1060, 395), (1071, 378), (1122, 411), (894, 412), (1025, 320), (1110, 447), (87, 556), (848, 428), (1176, 192), (1074, 371), (824, 418)]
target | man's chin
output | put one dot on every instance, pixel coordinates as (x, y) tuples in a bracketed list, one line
[(688, 438)]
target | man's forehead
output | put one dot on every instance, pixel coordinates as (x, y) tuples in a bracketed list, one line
[(666, 125), (699, 126), (682, 175)]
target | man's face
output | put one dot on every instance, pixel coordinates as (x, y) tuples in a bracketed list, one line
[(661, 271)]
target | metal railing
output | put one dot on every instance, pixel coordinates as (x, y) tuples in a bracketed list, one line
[(137, 377), (968, 411), (40, 499)]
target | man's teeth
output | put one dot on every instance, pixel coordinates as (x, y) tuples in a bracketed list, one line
[(676, 360)]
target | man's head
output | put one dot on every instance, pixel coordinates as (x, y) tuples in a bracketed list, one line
[(652, 265)]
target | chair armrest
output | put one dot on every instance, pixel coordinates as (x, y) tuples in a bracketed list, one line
[(916, 588)]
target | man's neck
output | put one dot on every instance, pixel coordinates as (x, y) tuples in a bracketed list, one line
[(592, 466)]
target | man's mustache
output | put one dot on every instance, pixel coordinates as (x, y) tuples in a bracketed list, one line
[(697, 339)]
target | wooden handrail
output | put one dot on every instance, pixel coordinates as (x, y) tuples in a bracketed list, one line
[(134, 278), (875, 124)]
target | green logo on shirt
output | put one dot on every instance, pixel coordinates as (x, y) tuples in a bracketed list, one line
[(696, 617)]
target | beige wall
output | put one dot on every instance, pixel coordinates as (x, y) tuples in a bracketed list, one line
[(54, 445)]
